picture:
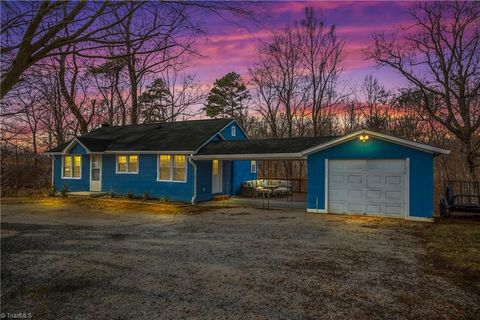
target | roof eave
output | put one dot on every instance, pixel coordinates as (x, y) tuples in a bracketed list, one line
[(353, 135)]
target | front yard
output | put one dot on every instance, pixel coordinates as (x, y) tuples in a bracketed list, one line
[(102, 258)]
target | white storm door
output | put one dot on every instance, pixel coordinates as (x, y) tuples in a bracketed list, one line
[(216, 176), (374, 186), (96, 172)]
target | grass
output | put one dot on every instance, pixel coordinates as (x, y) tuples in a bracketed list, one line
[(109, 204)]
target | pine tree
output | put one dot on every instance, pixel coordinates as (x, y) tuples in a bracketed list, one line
[(226, 99)]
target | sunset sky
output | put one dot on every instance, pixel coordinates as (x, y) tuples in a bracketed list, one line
[(230, 45)]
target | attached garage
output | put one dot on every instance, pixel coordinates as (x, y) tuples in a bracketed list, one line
[(371, 186), (363, 173), (370, 173)]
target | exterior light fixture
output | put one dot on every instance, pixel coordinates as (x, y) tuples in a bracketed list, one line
[(364, 138)]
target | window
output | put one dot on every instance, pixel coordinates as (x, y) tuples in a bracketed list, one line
[(72, 166), (179, 166), (215, 167), (172, 168), (234, 131), (165, 172), (253, 166), (127, 163)]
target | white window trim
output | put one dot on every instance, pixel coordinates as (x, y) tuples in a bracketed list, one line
[(172, 157), (253, 164), (234, 131), (127, 164), (71, 167)]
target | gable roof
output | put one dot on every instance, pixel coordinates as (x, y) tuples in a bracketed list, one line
[(267, 147), (412, 144), (295, 148), (185, 136)]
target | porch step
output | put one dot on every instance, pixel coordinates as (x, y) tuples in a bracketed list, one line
[(90, 194), (220, 197)]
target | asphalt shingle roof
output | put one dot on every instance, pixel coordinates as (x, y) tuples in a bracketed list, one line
[(166, 136), (263, 146)]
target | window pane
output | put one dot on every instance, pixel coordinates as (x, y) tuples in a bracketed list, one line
[(215, 167), (77, 164), (179, 165), (67, 165), (122, 163), (133, 163), (164, 170)]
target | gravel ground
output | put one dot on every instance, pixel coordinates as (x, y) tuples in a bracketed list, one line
[(77, 262)]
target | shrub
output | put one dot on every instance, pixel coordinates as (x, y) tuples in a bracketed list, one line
[(63, 192), (111, 194), (146, 196), (52, 192), (130, 195), (164, 199)]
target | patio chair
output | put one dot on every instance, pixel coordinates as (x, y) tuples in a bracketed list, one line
[(453, 203)]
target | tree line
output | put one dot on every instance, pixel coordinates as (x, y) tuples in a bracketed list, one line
[(68, 67)]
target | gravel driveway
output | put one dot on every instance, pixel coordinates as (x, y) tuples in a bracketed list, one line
[(239, 263)]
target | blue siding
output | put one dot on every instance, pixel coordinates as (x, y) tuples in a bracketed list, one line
[(204, 180), (227, 132), (145, 180), (82, 184), (241, 172), (77, 149), (421, 171)]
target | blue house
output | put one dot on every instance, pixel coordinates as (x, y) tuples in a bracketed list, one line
[(191, 161)]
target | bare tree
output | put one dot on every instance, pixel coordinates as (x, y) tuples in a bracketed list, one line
[(36, 30), (440, 56), (322, 56), (281, 63), (375, 109)]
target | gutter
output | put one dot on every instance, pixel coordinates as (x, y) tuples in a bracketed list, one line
[(194, 197)]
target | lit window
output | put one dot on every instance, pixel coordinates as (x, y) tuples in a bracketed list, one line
[(172, 167), (77, 165), (179, 168), (72, 166), (133, 163), (165, 169), (215, 167), (127, 164), (253, 166), (234, 131)]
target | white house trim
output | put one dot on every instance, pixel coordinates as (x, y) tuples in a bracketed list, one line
[(310, 210), (146, 152), (326, 185), (194, 165), (73, 164), (273, 156), (354, 135), (407, 188), (187, 160), (71, 144), (127, 164)]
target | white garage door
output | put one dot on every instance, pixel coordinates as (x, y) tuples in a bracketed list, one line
[(367, 187)]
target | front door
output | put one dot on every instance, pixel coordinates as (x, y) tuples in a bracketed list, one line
[(96, 172), (216, 176)]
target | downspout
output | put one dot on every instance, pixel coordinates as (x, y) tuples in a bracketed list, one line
[(190, 160)]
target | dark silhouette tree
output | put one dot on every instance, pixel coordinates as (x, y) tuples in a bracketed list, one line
[(227, 97)]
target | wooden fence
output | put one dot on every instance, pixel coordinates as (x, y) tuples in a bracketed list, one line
[(469, 190)]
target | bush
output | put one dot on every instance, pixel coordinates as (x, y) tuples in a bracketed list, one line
[(130, 195), (63, 192), (164, 199), (52, 192), (146, 196)]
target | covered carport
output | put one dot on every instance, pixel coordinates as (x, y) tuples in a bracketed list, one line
[(280, 149), (362, 173)]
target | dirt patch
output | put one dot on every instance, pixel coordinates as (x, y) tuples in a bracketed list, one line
[(69, 258)]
